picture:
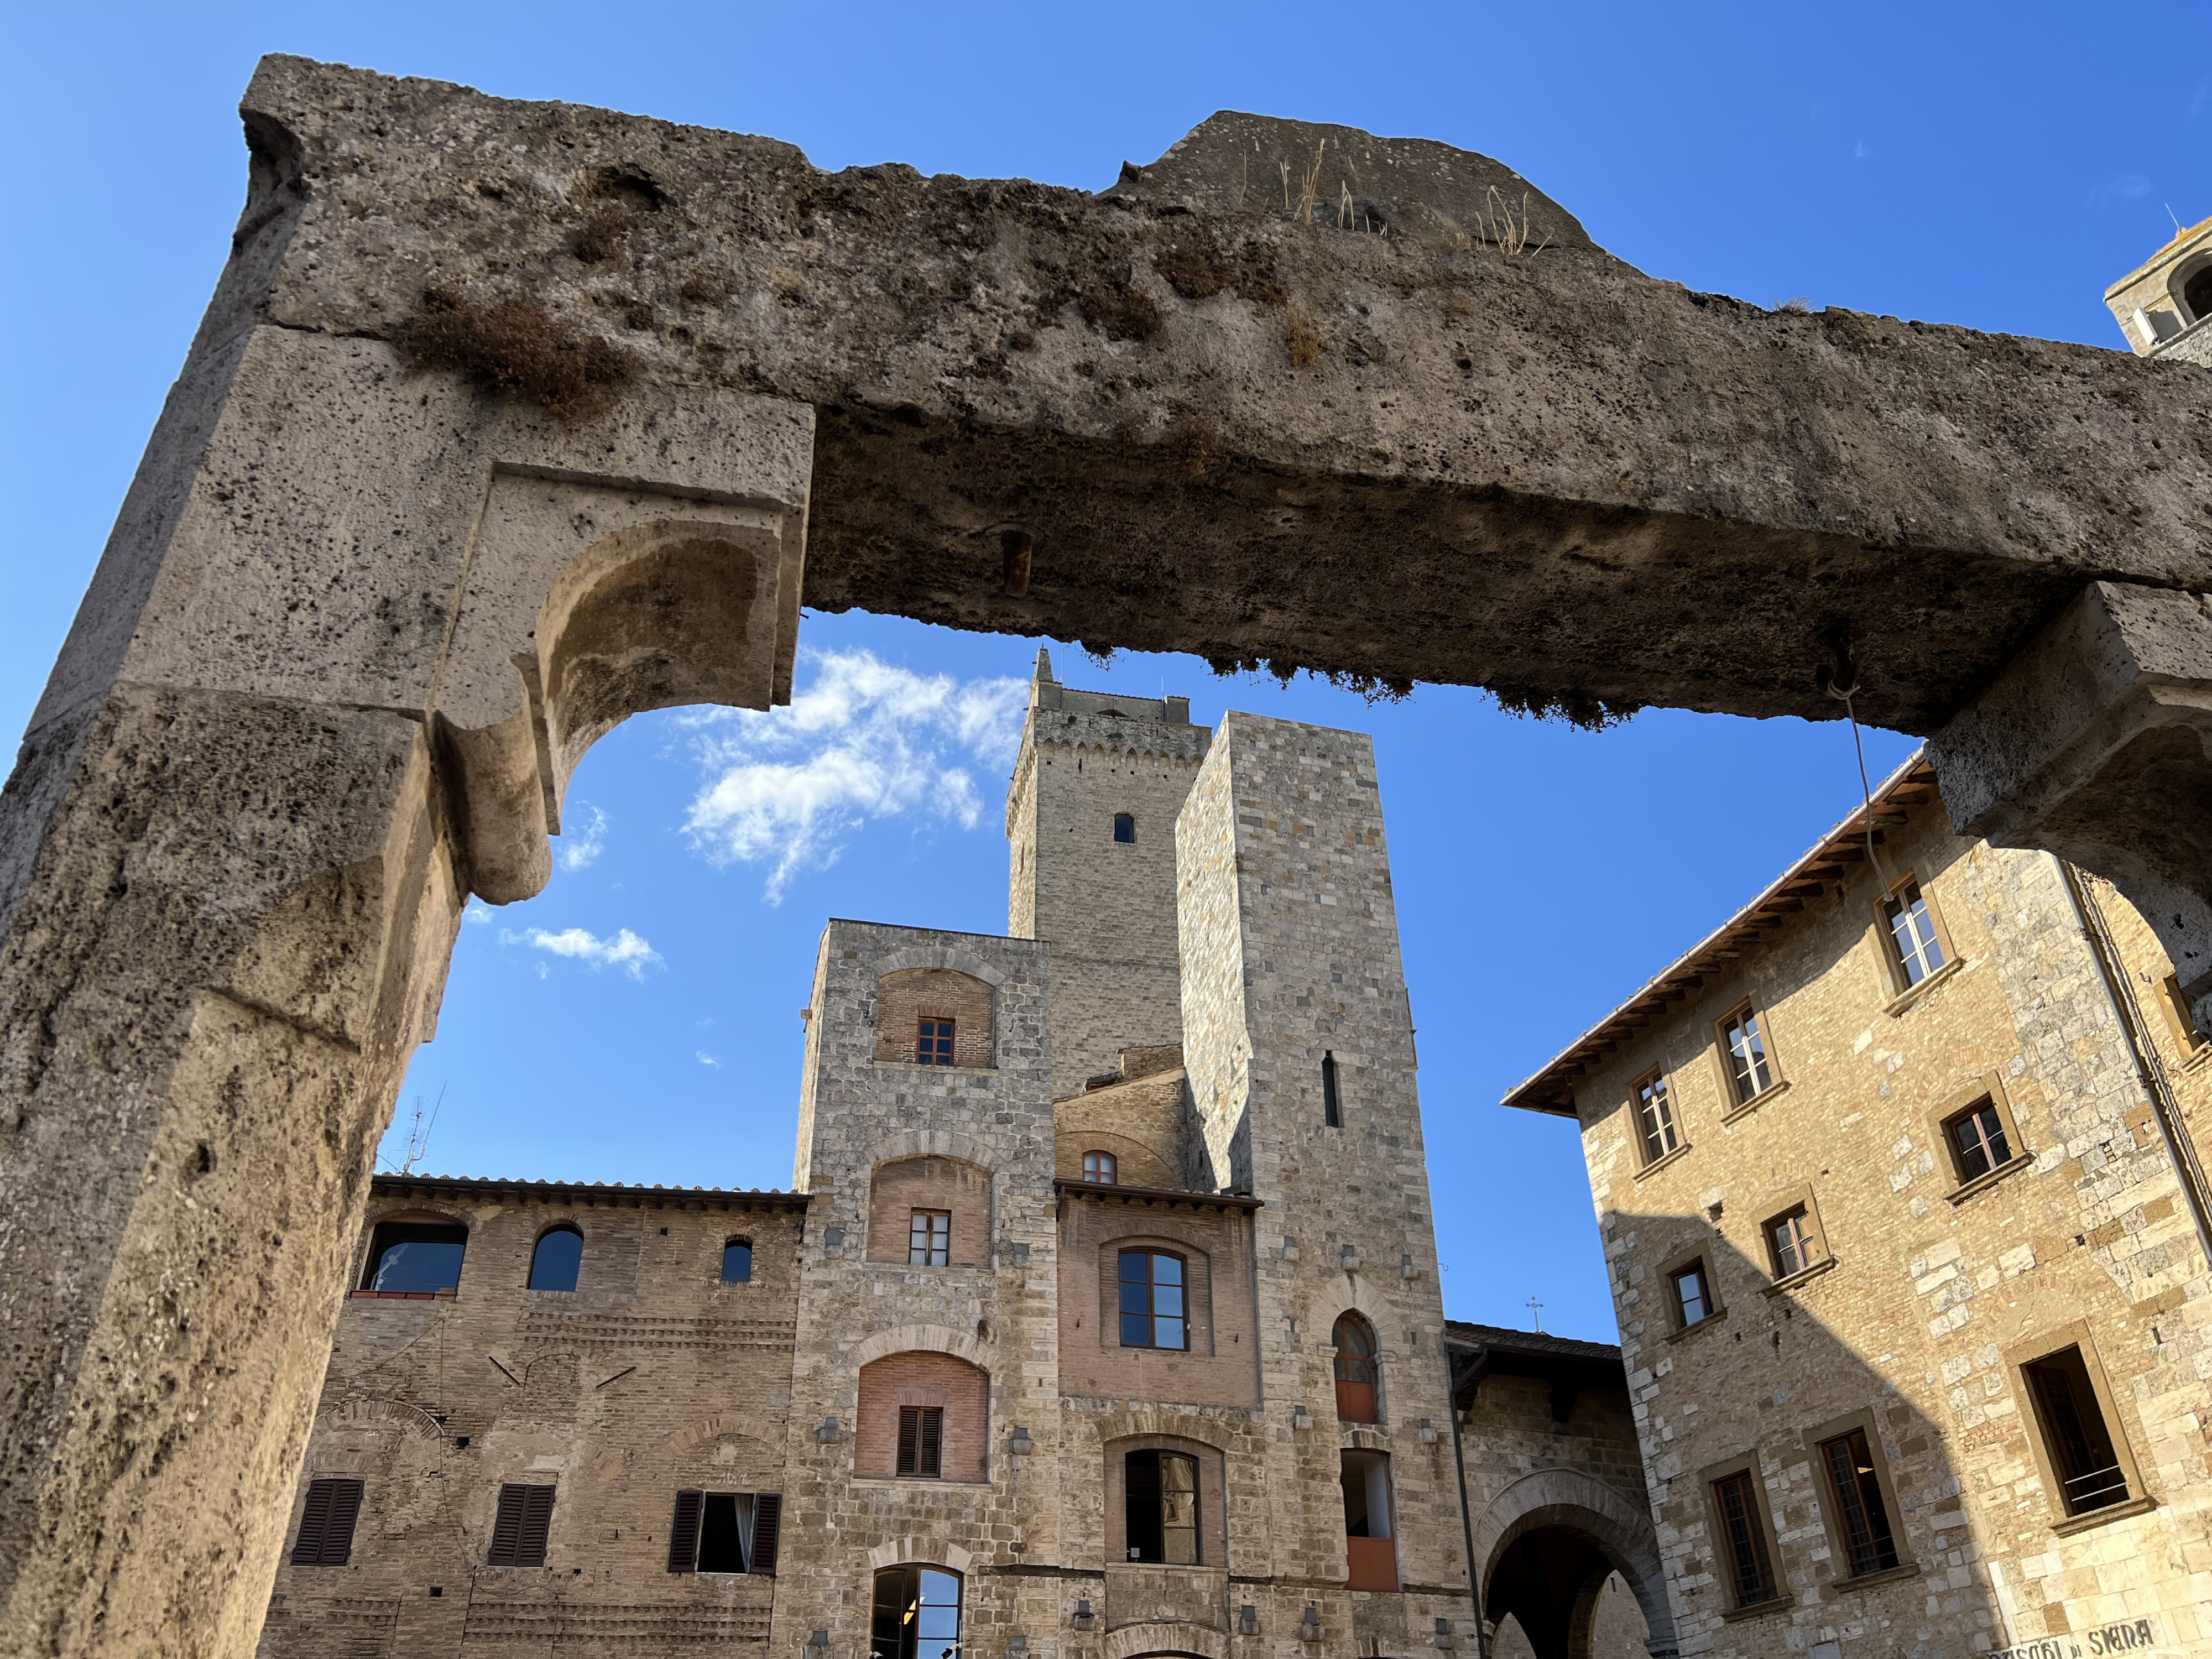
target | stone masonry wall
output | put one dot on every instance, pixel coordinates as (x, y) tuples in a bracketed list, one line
[(1108, 907), (1930, 1292), (651, 1375), (1290, 948)]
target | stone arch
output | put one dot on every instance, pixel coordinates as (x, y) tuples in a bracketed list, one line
[(357, 1411), (2189, 280), (933, 1143), (1164, 1638), (1133, 1422), (921, 1339), (957, 1188), (929, 1551), (1617, 1529), (949, 957)]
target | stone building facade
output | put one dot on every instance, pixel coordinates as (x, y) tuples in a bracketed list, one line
[(2164, 305), (1103, 1320), (1907, 1241)]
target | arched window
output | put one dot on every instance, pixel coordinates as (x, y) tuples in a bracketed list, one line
[(1357, 1370), (414, 1258), (738, 1261), (1332, 1103), (2197, 295), (553, 1263), (917, 1614), (1125, 827), (1152, 1311), (1161, 1497), (1100, 1167)]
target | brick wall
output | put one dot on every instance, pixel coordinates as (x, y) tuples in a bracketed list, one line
[(930, 1183), (960, 1390), (1222, 1365), (903, 999), (1147, 1123)]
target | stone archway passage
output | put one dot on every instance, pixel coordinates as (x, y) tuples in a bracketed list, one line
[(507, 421)]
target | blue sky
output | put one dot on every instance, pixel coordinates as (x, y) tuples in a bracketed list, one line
[(1993, 165)]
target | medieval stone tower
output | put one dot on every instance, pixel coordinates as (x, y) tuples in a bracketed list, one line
[(1090, 816)]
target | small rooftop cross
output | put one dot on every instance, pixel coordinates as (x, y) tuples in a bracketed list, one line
[(1536, 1313)]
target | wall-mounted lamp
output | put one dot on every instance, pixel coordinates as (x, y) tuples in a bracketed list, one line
[(834, 1239), (1405, 1267), (1428, 1432), (1445, 1636), (1084, 1619), (1247, 1621), (1300, 1418), (828, 1432), (1020, 1445), (818, 1643), (1017, 1647), (1351, 1258), (1309, 1627), (1290, 1250)]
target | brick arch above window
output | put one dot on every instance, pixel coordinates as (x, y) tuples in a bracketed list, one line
[(919, 1381), (906, 997), (944, 1186)]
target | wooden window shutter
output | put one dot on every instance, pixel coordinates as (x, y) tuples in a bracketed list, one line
[(519, 1531), (536, 1526), (931, 1462), (315, 1520), (345, 1509), (767, 1523), (684, 1533), (909, 1439)]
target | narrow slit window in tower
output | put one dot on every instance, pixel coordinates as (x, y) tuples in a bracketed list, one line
[(1332, 1100)]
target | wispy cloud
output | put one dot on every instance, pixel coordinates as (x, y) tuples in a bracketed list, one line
[(625, 950), (706, 1058), (1861, 150), (2126, 187), (2201, 101), (477, 912), (583, 838), (865, 739)]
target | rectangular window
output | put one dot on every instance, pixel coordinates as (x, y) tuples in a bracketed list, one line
[(325, 1537), (1332, 1105), (1153, 1314), (929, 1239), (1914, 950), (2181, 1014), (519, 1531), (1370, 1553), (1751, 1572), (1791, 1243), (1655, 1117), (1160, 1507), (2075, 1437), (933, 1044), (921, 1442), (1977, 1141), (1693, 1301), (1856, 1491), (724, 1532), (1751, 1069)]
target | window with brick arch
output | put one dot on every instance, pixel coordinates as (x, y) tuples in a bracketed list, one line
[(934, 1017), (1160, 1508), (326, 1524), (1358, 1370), (1101, 1168), (1154, 1313), (557, 1259), (916, 1613), (921, 1416)]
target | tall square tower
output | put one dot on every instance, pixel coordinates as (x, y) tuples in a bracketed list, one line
[(1090, 816)]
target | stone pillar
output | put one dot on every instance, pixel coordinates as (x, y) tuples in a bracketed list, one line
[(2093, 744), (348, 638)]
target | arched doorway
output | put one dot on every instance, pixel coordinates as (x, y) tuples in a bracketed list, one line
[(1554, 1594)]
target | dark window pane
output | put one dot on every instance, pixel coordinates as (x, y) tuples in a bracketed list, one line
[(737, 1262), (722, 1548), (1125, 827), (417, 1256), (1859, 1503), (554, 1263), (2074, 1433), (1136, 1331), (1748, 1571), (1140, 1470)]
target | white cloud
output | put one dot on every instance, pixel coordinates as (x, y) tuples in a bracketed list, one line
[(625, 950), (706, 1058), (863, 739), (479, 913), (581, 842)]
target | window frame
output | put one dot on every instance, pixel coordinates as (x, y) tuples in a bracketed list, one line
[(1331, 1090), (1107, 1172), (1160, 1455), (1370, 1459), (1120, 819), (1816, 1441), (1745, 1467), (333, 1526), (931, 1251), (1779, 1207), (1902, 990), (2050, 1345), (686, 1529), (533, 1532), (538, 1244), (906, 1642), (1150, 1315), (1343, 1360), (1725, 1053), (1646, 1158), (927, 1051), (1990, 1087), (928, 1444), (1702, 1262), (372, 1258)]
